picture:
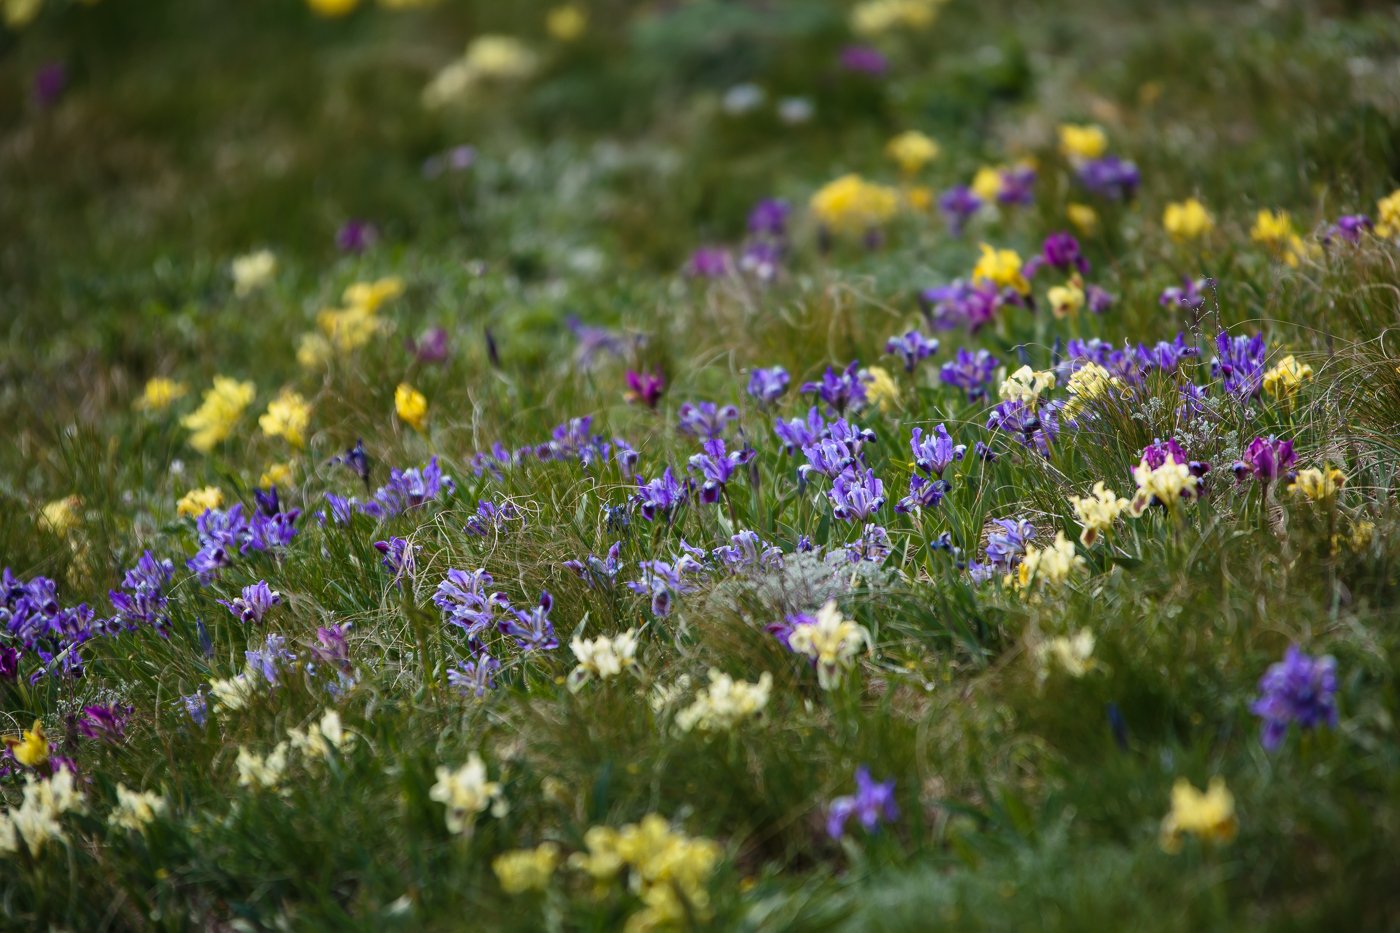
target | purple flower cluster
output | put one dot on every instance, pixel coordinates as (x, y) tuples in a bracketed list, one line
[(961, 304), (34, 622), (664, 580), (270, 658), (839, 389), (1266, 459), (1110, 177), (465, 603), (490, 519), (834, 449), (959, 205), (406, 489), (1005, 548), (253, 604), (747, 552), (597, 571), (912, 348), (141, 599), (932, 455), (645, 388), (659, 498), (1239, 363), (763, 251), (105, 722), (531, 628), (706, 420), (856, 496), (1189, 295), (1035, 428), (716, 466), (223, 533), (1131, 364), (1059, 251), (400, 558), (971, 372), (1348, 229), (1299, 689)]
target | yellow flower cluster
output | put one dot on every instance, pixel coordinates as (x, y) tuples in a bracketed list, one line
[(1082, 141), (1084, 217), (1001, 267), (522, 870), (344, 330), (287, 417), (603, 657), (160, 393), (1274, 230), (877, 17), (1208, 816), (320, 739), (1187, 220), (1026, 385), (34, 823), (1071, 654), (61, 515), (261, 772), (1097, 512), (1164, 484), (1388, 215), (198, 501), (1088, 383), (833, 641), (31, 749), (911, 151), (1052, 565), (1285, 379), (850, 204), (466, 792), (669, 870), (217, 415), (233, 693), (725, 703), (1318, 484)]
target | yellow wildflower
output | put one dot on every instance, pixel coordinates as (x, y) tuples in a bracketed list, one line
[(1166, 484), (602, 657), (1271, 228), (135, 810), (61, 515), (1285, 379), (877, 17), (314, 351), (850, 204), (31, 749), (725, 703), (881, 388), (831, 640), (20, 13), (1088, 383), (1318, 484), (1388, 215), (276, 474), (1084, 218), (1208, 816), (1073, 655), (499, 58), (1065, 300), (253, 271), (466, 792), (1086, 141), (411, 406), (986, 184), (160, 393), (1001, 267), (911, 151), (1053, 564), (919, 197), (213, 421), (566, 23), (287, 416), (331, 8), (1097, 512), (347, 329), (1187, 220), (524, 870), (1025, 385), (370, 296), (198, 501)]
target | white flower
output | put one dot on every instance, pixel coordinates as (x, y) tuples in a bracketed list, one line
[(233, 693), (832, 641), (319, 739), (258, 772), (1074, 655), (602, 657), (135, 810), (725, 703), (252, 271), (466, 792)]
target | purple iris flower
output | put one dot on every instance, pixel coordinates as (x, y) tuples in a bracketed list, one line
[(873, 546), (1017, 184), (924, 493), (464, 601), (1348, 228), (763, 259), (660, 497), (475, 676), (1266, 458), (409, 489), (1110, 177), (912, 348), (936, 453), (431, 346), (706, 420), (1059, 251), (872, 804), (1006, 547), (645, 387), (1191, 294), (710, 262), (768, 385), (799, 433), (357, 460), (532, 630), (1035, 428), (862, 59), (856, 497), (960, 304), (490, 519), (197, 707), (141, 599), (399, 558), (839, 389), (332, 647), (1299, 689), (971, 372), (664, 580), (596, 341), (1097, 299), (105, 722), (959, 204), (717, 466), (254, 603), (356, 236), (747, 551), (769, 217), (596, 572), (268, 659), (1239, 363)]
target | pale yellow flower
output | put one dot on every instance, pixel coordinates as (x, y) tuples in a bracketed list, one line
[(1165, 484), (1071, 654), (160, 393), (1317, 484), (262, 772), (466, 792), (20, 13), (1097, 512), (371, 296), (1285, 379), (1002, 267), (276, 474), (217, 415), (881, 388), (1051, 565), (1026, 385), (61, 515), (522, 870), (567, 23), (253, 271), (602, 658), (287, 417), (1084, 218), (198, 501), (1388, 215), (831, 640), (332, 8), (135, 810), (877, 17), (1065, 300), (986, 184), (1272, 228), (911, 151), (1208, 816), (725, 703), (850, 204)]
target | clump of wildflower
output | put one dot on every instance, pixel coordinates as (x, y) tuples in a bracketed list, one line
[(217, 415), (532, 629), (262, 772), (411, 406), (852, 205), (522, 870), (466, 792), (135, 810), (61, 515), (474, 676), (1167, 484), (331, 9), (1187, 220), (198, 501), (603, 658), (253, 603), (1087, 384), (1026, 385), (831, 641), (234, 693), (1082, 141), (1065, 300), (1285, 380), (911, 151), (35, 822), (287, 417), (1072, 654), (881, 388), (669, 870), (971, 372), (1052, 565), (645, 388), (1272, 228), (1097, 512), (1001, 267), (1299, 689), (706, 419), (252, 271), (1084, 218), (768, 385), (1388, 215), (1208, 816), (725, 703), (840, 389), (1266, 458), (1317, 484), (321, 738), (160, 393), (105, 722), (912, 347), (489, 59), (872, 804)]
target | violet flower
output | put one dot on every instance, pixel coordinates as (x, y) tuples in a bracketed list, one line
[(356, 236), (768, 385), (254, 603), (1299, 689), (717, 466), (971, 372), (872, 804), (959, 205), (645, 388), (706, 420), (839, 389), (912, 348), (1266, 458)]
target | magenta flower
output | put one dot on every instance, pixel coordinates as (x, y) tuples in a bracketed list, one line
[(645, 388)]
